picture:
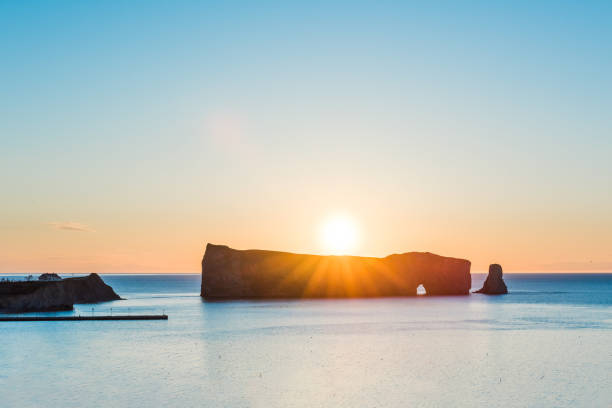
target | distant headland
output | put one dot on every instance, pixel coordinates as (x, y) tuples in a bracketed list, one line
[(229, 273), (51, 292)]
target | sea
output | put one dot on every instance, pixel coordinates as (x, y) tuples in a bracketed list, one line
[(548, 343)]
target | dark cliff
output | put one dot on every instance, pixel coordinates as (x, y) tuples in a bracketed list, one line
[(30, 296), (231, 273)]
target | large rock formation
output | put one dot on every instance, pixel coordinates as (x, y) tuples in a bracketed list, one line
[(494, 284), (30, 296), (230, 273)]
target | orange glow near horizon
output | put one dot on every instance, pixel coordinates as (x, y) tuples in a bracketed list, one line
[(158, 241)]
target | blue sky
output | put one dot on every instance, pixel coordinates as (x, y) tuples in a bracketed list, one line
[(437, 126)]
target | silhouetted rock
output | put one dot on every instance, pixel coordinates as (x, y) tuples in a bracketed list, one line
[(49, 277), (494, 284), (30, 296), (230, 273)]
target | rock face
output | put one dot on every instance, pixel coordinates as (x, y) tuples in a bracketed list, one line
[(30, 296), (229, 273), (49, 277), (494, 284)]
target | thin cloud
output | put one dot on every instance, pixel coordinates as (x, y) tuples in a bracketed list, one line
[(70, 226)]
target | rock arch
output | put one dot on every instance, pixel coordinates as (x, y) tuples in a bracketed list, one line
[(231, 273)]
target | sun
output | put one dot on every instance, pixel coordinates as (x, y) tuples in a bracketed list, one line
[(339, 235)]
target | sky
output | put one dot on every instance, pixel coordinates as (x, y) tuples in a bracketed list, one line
[(133, 133)]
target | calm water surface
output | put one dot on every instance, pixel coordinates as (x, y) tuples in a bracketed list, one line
[(546, 344)]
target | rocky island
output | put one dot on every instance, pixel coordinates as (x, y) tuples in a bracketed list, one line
[(494, 284), (229, 273), (48, 293)]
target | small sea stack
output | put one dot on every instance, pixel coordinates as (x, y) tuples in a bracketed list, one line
[(494, 284)]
